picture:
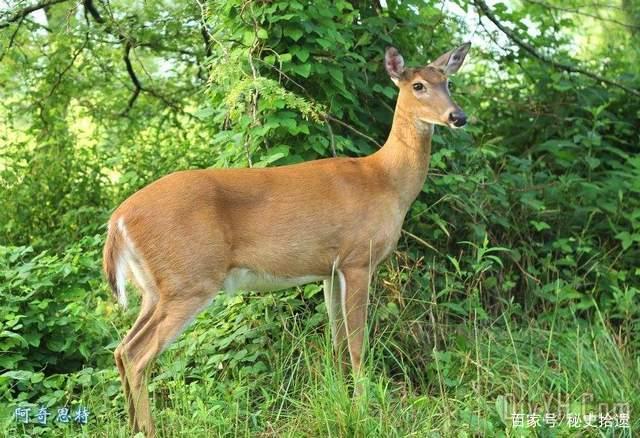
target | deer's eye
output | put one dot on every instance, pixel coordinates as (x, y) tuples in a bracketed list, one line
[(450, 86), (418, 86)]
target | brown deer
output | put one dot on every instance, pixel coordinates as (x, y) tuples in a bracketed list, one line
[(191, 234)]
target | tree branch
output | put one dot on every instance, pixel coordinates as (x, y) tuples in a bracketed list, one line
[(128, 45), (12, 39), (480, 4), (90, 7), (22, 13), (355, 130), (331, 136), (38, 25), (159, 47), (138, 88), (579, 12), (207, 40), (68, 67), (132, 74)]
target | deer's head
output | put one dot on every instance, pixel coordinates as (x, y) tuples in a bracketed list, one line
[(424, 91)]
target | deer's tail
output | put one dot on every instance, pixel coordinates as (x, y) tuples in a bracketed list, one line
[(114, 264)]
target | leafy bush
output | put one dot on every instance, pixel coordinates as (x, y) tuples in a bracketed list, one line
[(530, 216), (53, 319)]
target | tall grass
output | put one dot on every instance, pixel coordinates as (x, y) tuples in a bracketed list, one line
[(470, 382)]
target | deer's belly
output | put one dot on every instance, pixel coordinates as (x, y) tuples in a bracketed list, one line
[(248, 280)]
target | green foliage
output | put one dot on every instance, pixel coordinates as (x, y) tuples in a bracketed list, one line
[(297, 62), (234, 338), (53, 317), (517, 276)]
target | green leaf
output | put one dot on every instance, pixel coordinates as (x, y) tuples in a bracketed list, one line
[(56, 344), (37, 377), (247, 37), (502, 408), (293, 32), (8, 334), (285, 57), (302, 69), (274, 154), (301, 53), (540, 226), (336, 74), (627, 239), (18, 375), (592, 162), (203, 113)]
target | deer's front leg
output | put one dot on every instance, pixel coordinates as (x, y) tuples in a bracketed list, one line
[(333, 302), (355, 299)]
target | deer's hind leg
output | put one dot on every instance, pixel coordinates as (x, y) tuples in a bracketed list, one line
[(144, 315), (149, 294), (170, 316)]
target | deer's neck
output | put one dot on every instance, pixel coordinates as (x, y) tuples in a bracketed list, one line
[(406, 154)]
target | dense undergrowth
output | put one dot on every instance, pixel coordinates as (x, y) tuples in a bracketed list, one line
[(515, 288)]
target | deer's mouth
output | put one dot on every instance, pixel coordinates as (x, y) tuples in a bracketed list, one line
[(452, 125)]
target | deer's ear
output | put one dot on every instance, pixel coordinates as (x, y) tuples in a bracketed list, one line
[(394, 63), (451, 61)]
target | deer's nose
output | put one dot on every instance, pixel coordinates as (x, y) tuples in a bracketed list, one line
[(458, 118)]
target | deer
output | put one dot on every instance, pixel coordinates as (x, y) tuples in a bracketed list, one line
[(191, 234)]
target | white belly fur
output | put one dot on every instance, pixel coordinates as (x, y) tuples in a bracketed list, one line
[(248, 280)]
